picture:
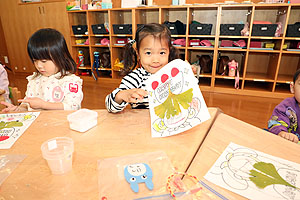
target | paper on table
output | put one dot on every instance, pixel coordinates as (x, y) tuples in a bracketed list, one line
[(13, 125), (175, 100), (239, 169)]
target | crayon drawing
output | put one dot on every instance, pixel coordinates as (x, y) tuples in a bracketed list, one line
[(175, 100), (13, 125), (255, 175)]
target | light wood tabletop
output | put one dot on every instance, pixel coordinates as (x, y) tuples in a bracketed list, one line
[(227, 129), (115, 135)]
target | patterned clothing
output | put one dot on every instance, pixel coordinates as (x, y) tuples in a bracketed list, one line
[(67, 90), (135, 79), (4, 83), (285, 117)]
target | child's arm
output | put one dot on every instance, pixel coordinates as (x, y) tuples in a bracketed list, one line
[(289, 136), (129, 91), (38, 103), (130, 96), (10, 107)]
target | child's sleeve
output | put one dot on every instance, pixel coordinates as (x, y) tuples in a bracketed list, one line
[(73, 94), (132, 80), (279, 120)]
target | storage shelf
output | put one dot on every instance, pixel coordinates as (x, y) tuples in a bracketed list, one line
[(262, 72)]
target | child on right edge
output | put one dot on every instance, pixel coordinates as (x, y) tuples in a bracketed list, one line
[(284, 120), (151, 48)]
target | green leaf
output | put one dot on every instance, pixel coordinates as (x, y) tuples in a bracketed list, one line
[(10, 124), (265, 175), (171, 106)]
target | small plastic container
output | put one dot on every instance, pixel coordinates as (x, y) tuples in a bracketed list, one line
[(58, 152), (82, 120)]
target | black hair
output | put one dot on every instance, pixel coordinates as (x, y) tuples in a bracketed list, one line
[(296, 75), (50, 44), (157, 31)]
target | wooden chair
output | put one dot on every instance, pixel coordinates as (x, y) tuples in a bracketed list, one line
[(2, 99), (14, 95)]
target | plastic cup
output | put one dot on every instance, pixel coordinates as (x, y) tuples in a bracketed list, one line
[(58, 152)]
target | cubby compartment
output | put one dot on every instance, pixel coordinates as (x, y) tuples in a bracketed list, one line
[(283, 87), (120, 41), (171, 15), (204, 58), (78, 19), (259, 85), (261, 66), (266, 18), (233, 44), (99, 22), (121, 20), (293, 29), (234, 19), (226, 83), (222, 68), (202, 20), (292, 45), (86, 56), (258, 44), (116, 55), (79, 40), (100, 40), (104, 57), (146, 16), (285, 74), (204, 81), (201, 43)]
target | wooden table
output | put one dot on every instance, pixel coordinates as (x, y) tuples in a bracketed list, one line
[(115, 135), (227, 129)]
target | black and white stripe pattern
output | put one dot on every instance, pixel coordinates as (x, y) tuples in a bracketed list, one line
[(135, 79)]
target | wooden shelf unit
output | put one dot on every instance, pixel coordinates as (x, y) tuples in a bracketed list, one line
[(262, 72)]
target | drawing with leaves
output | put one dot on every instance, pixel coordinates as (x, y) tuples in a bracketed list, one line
[(175, 100), (255, 175), (13, 125)]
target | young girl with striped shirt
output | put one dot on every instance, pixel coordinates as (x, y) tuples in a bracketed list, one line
[(152, 49)]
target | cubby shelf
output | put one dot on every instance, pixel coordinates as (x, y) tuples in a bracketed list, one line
[(263, 72)]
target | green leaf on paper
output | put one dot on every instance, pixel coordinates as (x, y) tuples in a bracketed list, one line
[(265, 175), (10, 124), (171, 106)]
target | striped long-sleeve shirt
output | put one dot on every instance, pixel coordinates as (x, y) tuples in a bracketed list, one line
[(135, 79)]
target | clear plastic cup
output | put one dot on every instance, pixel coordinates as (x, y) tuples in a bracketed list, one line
[(58, 152)]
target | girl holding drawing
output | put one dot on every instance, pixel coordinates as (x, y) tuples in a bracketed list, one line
[(152, 49), (54, 86)]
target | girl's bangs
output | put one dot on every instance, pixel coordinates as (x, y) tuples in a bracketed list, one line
[(40, 53)]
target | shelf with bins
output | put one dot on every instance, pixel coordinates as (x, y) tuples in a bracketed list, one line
[(261, 68)]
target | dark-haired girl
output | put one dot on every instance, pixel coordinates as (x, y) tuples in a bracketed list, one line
[(150, 51), (53, 86)]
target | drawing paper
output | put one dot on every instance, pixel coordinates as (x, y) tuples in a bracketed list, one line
[(239, 168), (175, 100), (13, 125)]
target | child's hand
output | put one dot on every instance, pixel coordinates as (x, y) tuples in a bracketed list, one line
[(130, 96), (34, 102), (289, 136), (9, 107)]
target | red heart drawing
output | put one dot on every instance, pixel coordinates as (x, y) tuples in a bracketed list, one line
[(154, 85), (174, 72), (2, 138), (164, 77)]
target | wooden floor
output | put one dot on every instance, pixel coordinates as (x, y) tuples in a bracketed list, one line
[(253, 110)]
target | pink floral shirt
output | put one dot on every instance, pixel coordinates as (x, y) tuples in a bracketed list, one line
[(67, 90)]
